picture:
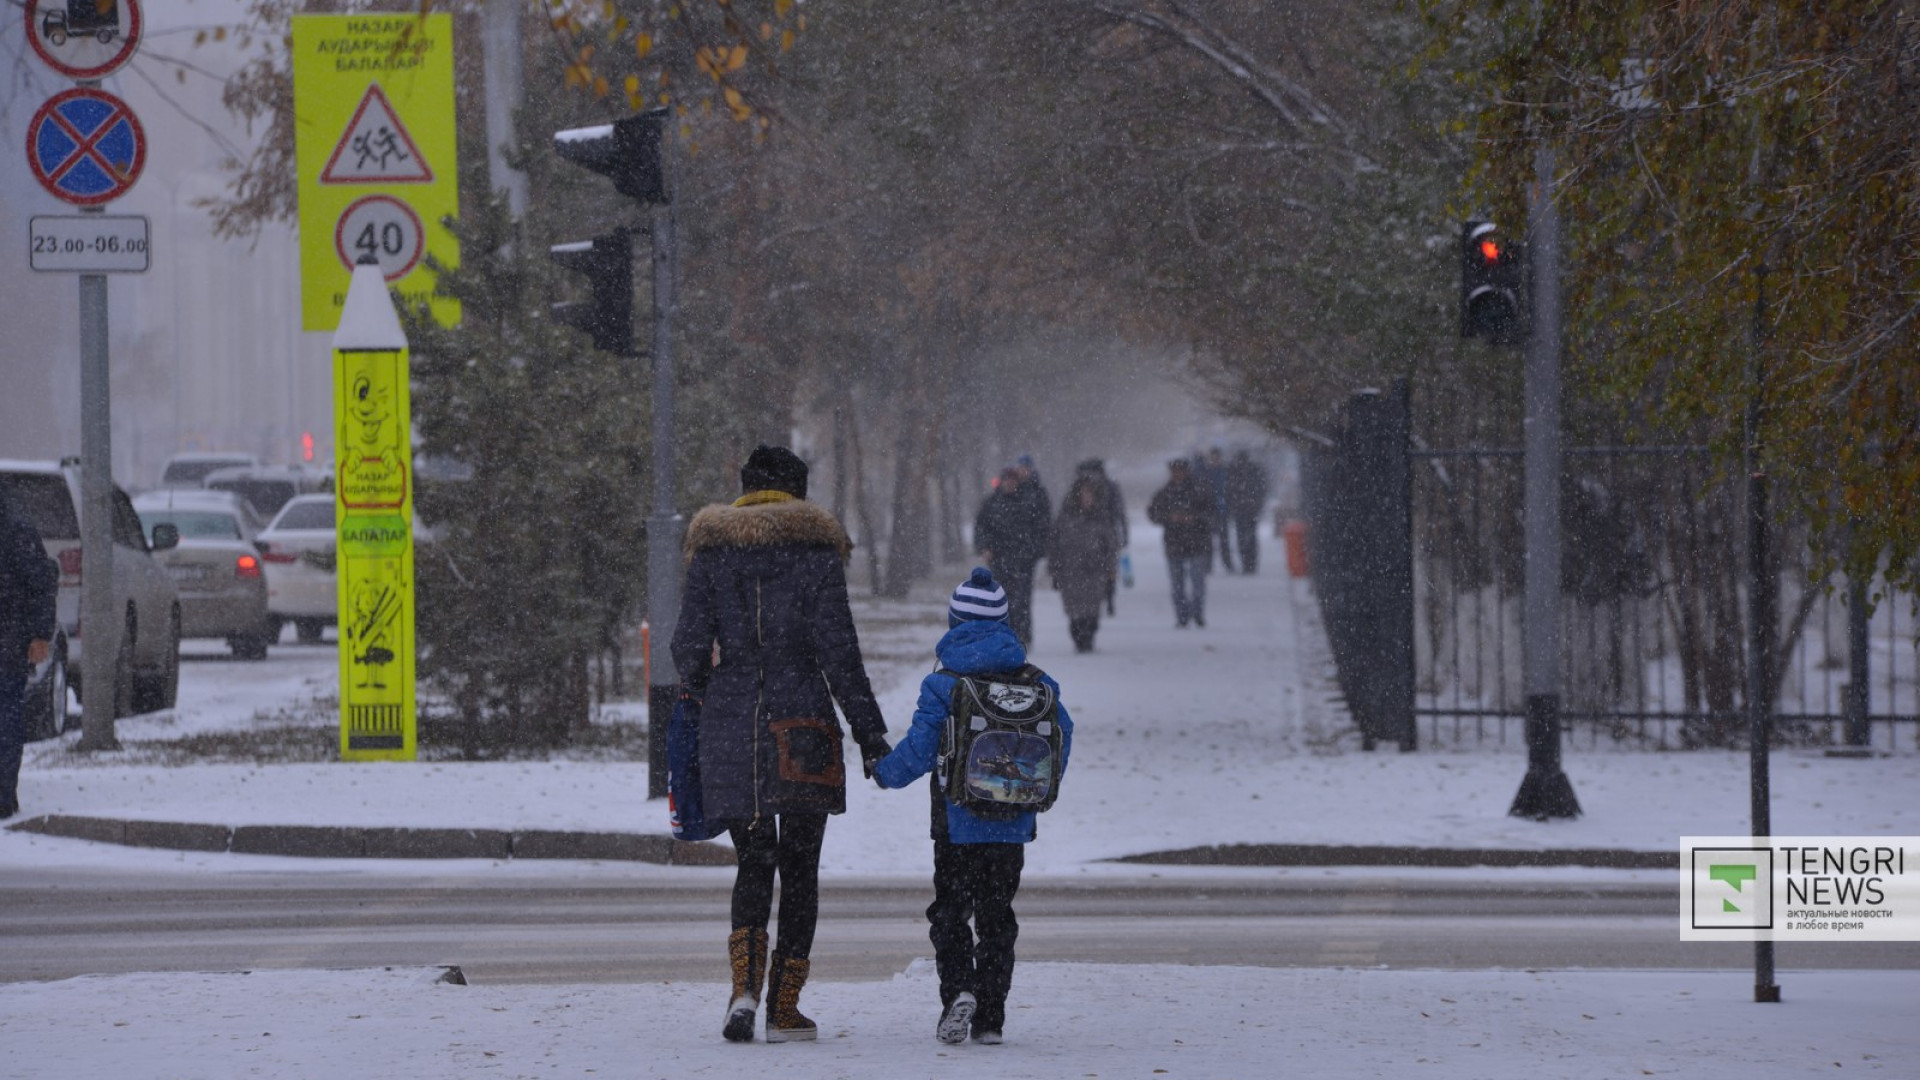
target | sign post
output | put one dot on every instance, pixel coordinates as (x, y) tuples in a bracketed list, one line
[(374, 146), (86, 148), (373, 522)]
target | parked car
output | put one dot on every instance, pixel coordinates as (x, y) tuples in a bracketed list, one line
[(189, 470), (217, 567), (147, 665), (266, 488), (299, 549)]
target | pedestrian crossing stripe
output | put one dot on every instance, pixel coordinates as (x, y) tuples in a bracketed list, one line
[(376, 148)]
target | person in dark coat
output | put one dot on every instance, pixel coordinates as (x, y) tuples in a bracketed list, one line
[(766, 644), (1010, 533), (1246, 497), (1082, 558), (29, 583), (1213, 475), (1113, 508), (1184, 509), (977, 861)]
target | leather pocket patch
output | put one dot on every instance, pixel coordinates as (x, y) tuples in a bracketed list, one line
[(809, 750)]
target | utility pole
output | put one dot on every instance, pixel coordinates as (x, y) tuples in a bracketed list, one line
[(501, 39), (1546, 792), (666, 529), (1761, 618), (103, 627)]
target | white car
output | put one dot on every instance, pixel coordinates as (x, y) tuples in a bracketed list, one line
[(147, 665), (217, 567), (267, 488), (188, 470), (299, 550)]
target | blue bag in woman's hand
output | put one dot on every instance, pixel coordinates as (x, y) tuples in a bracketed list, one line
[(685, 814)]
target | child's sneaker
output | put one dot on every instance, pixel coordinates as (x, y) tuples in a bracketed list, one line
[(955, 1020)]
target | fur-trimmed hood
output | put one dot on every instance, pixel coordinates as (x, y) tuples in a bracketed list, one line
[(794, 521)]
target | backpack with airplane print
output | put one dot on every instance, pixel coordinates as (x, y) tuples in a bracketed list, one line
[(1001, 747)]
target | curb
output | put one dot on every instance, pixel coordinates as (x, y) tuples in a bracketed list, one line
[(347, 842)]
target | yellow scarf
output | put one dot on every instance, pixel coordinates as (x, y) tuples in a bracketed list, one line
[(758, 498)]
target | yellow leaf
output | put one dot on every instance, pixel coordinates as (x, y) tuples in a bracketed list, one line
[(802, 22), (599, 86), (220, 33), (200, 37), (781, 7), (766, 31), (737, 59), (786, 40), (734, 100), (643, 45), (633, 85)]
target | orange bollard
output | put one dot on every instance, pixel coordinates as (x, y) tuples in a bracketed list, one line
[(646, 654), (1296, 537)]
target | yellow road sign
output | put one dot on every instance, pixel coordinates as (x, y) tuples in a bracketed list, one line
[(374, 146), (373, 516)]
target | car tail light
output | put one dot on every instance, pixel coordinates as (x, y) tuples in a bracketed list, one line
[(70, 562), (246, 566), (273, 555)]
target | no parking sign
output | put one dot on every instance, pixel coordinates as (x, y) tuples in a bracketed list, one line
[(85, 146)]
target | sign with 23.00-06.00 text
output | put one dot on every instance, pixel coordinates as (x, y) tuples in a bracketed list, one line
[(374, 144), (89, 243)]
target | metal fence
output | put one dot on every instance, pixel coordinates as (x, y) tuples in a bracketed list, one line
[(1654, 600)]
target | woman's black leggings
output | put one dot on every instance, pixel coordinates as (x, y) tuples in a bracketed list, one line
[(789, 845)]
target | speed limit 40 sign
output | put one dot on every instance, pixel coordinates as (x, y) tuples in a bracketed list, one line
[(385, 228)]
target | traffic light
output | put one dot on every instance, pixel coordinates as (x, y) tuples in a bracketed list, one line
[(607, 262), (1493, 285), (628, 150)]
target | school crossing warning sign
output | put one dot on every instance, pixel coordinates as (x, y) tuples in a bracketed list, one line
[(374, 146)]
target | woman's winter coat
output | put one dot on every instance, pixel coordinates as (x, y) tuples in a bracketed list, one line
[(766, 643), (1082, 559), (981, 647)]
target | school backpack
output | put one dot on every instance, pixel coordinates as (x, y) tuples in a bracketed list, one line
[(1000, 749)]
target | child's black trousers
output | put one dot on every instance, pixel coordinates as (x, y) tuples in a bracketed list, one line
[(975, 883)]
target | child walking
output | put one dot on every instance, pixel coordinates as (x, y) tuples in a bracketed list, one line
[(977, 857)]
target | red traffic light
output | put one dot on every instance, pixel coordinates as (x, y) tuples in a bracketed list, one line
[(1490, 250)]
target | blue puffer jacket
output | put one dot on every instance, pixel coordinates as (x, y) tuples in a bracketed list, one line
[(972, 648)]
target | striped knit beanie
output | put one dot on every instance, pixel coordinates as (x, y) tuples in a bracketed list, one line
[(979, 597)]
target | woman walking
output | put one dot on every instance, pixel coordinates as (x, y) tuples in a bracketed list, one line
[(1082, 558), (766, 644)]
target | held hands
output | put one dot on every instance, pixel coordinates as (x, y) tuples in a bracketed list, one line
[(872, 749)]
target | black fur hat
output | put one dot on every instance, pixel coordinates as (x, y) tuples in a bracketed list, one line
[(774, 468)]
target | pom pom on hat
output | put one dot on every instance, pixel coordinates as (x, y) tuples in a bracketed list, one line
[(978, 598)]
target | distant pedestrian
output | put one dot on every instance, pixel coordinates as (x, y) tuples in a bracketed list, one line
[(766, 644), (977, 860), (1184, 509), (1213, 474), (1010, 533), (1246, 497), (29, 583), (1082, 557), (1114, 509)]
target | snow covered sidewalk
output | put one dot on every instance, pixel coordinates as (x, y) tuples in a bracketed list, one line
[(1070, 1020)]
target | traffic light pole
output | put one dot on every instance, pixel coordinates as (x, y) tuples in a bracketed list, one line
[(1546, 792), (665, 527)]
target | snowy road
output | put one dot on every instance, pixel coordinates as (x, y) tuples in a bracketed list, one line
[(638, 926)]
